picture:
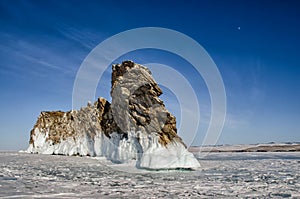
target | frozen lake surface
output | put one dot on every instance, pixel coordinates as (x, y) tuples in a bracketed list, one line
[(222, 175)]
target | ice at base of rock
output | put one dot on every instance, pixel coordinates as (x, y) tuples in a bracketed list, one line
[(149, 154), (135, 126)]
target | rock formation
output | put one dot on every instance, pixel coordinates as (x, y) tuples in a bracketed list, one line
[(135, 126)]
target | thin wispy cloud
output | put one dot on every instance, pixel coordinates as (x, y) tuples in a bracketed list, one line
[(35, 58), (83, 37), (45, 64)]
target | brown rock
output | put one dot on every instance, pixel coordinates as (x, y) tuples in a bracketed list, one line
[(135, 107), (136, 103)]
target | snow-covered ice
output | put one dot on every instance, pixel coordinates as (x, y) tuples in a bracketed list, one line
[(222, 175)]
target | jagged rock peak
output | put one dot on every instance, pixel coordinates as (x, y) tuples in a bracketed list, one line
[(136, 104), (119, 70)]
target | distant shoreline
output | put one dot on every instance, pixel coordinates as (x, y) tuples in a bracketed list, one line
[(270, 147), (294, 147)]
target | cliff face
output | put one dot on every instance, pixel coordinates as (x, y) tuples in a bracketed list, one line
[(136, 105), (135, 126)]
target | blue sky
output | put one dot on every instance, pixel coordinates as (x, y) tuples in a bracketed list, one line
[(253, 43)]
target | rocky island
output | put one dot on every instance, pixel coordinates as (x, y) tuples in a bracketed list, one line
[(135, 126)]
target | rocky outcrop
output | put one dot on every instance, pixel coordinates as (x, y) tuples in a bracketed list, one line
[(136, 105), (135, 126), (70, 133)]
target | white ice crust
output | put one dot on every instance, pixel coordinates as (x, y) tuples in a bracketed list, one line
[(145, 150)]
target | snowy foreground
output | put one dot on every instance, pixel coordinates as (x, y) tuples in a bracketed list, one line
[(229, 175)]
